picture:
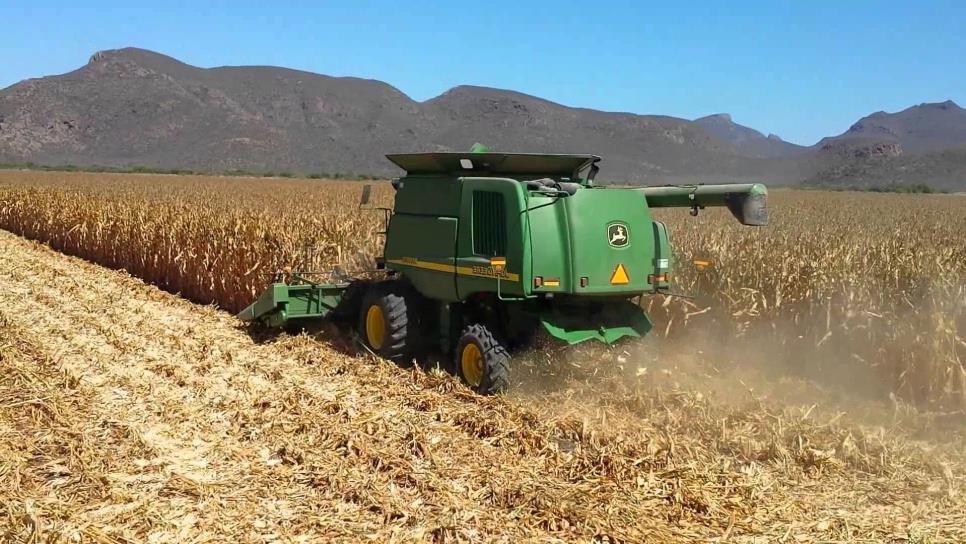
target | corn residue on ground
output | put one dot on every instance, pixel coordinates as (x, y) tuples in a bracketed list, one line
[(130, 415)]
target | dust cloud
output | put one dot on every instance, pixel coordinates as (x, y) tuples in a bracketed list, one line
[(773, 368)]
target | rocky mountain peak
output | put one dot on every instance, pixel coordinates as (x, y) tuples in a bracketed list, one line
[(747, 141), (718, 117)]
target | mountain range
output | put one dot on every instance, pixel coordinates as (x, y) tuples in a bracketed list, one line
[(136, 107)]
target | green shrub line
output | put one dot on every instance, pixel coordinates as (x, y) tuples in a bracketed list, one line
[(140, 169), (892, 187)]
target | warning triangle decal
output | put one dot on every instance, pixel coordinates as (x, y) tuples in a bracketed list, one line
[(619, 277)]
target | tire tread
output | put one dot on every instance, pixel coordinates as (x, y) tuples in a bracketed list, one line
[(399, 309), (496, 376)]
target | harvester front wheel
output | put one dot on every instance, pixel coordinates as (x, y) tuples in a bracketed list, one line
[(482, 361), (387, 323)]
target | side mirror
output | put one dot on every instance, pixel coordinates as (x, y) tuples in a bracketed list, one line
[(366, 194)]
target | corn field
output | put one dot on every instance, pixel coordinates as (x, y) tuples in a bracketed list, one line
[(865, 284)]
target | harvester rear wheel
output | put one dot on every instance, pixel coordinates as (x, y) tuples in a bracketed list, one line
[(387, 322), (482, 361)]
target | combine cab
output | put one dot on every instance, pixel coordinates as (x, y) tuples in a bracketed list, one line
[(483, 249)]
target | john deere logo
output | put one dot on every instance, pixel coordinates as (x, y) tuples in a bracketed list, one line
[(617, 235)]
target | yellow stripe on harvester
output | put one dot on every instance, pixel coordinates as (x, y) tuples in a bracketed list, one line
[(482, 271)]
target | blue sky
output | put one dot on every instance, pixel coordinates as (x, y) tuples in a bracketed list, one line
[(802, 70)]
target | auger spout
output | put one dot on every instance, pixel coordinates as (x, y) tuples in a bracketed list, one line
[(748, 202)]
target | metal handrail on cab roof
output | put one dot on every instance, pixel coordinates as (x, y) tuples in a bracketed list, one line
[(470, 163)]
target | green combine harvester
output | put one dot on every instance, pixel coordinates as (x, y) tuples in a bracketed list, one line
[(484, 249)]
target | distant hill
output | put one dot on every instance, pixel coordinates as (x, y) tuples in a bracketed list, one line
[(919, 129), (943, 170), (747, 141), (635, 147), (921, 144), (130, 107)]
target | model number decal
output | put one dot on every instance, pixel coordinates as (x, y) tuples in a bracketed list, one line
[(490, 271)]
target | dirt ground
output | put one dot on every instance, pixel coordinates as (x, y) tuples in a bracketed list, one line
[(130, 415)]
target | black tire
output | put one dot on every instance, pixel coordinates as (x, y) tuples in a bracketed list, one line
[(397, 308), (494, 375)]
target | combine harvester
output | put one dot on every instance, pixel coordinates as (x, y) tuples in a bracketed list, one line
[(482, 249)]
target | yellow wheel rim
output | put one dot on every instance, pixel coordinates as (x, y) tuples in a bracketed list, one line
[(375, 326), (471, 362)]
